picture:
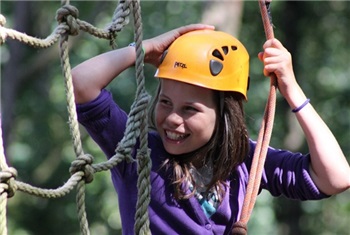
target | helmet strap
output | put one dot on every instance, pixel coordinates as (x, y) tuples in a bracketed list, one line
[(221, 102)]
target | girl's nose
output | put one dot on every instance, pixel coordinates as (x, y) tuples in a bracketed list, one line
[(174, 119)]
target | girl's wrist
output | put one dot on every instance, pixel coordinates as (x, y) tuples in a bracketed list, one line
[(295, 98), (300, 107), (133, 44)]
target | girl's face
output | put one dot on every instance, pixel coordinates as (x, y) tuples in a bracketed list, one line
[(185, 116)]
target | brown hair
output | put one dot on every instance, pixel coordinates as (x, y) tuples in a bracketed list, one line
[(227, 148)]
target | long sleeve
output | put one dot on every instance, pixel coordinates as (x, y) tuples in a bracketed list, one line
[(104, 121), (288, 173)]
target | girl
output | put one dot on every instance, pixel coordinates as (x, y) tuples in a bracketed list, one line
[(201, 153)]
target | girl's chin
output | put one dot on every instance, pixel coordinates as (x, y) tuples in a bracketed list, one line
[(175, 152), (178, 149)]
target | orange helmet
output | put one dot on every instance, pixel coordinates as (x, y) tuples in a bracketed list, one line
[(207, 58)]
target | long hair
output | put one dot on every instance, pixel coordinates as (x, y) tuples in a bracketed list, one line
[(227, 148)]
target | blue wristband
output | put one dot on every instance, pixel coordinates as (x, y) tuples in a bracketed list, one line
[(301, 106), (133, 44)]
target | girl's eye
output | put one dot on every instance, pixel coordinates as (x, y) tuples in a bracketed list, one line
[(190, 108), (164, 102)]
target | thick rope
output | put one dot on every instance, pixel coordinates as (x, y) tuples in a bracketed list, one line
[(143, 157), (259, 157), (118, 23), (68, 14), (119, 20), (4, 185)]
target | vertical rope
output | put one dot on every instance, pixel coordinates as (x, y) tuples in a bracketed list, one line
[(72, 113), (271, 104), (259, 157), (143, 157), (74, 129), (3, 165), (3, 193)]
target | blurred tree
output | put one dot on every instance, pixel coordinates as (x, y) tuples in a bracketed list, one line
[(225, 15)]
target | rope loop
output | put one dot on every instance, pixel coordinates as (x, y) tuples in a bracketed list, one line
[(83, 163), (7, 180), (125, 152), (69, 14), (239, 228), (120, 17), (119, 20), (143, 158)]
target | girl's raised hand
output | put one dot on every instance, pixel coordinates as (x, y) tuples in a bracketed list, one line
[(277, 59), (154, 47)]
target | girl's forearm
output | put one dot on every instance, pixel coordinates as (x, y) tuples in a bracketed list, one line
[(329, 167), (96, 73)]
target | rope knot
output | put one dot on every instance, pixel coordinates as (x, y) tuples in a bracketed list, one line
[(7, 180), (119, 20), (69, 14), (143, 157), (125, 152), (239, 228), (83, 163)]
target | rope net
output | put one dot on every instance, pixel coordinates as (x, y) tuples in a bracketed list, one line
[(82, 169)]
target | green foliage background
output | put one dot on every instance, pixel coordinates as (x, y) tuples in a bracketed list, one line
[(36, 132)]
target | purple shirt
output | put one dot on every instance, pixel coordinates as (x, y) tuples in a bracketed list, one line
[(285, 173)]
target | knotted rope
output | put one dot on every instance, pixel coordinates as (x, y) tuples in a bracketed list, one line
[(143, 155), (82, 169), (259, 157)]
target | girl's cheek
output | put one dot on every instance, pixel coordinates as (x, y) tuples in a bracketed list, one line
[(158, 114)]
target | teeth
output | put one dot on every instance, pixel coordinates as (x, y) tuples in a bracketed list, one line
[(174, 136)]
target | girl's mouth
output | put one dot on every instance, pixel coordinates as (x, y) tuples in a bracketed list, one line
[(175, 136)]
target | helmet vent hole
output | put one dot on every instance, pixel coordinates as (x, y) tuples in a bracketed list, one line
[(225, 49), (234, 48), (215, 67), (216, 53)]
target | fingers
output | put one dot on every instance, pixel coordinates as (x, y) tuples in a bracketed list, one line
[(273, 52), (275, 57), (163, 41), (275, 43), (157, 45), (192, 27), (271, 47)]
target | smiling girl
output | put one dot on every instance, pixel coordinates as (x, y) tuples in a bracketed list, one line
[(201, 153)]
